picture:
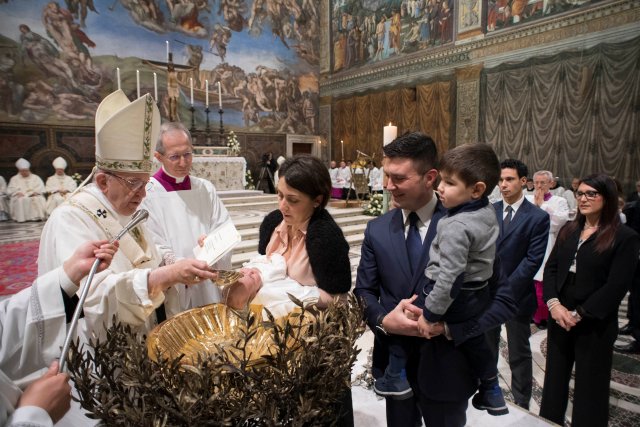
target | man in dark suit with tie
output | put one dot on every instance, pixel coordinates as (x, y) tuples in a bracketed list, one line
[(395, 252), (521, 244)]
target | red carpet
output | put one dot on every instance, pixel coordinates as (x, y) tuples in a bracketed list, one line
[(18, 266)]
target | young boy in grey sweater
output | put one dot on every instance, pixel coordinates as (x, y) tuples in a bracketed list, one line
[(461, 262)]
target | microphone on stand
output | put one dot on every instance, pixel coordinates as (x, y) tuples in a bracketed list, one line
[(138, 217)]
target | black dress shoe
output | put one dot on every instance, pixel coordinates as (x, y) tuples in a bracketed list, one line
[(631, 348), (625, 330)]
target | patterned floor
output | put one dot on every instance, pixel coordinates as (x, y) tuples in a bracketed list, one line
[(369, 410)]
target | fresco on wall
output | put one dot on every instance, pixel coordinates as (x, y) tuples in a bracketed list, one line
[(507, 13), (59, 59), (368, 31)]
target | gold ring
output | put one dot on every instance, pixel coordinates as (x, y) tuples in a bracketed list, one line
[(196, 278)]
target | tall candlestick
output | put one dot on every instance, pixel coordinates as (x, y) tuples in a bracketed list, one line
[(206, 96), (342, 146), (138, 82), (118, 77), (167, 42), (390, 133), (219, 96), (191, 85), (155, 86)]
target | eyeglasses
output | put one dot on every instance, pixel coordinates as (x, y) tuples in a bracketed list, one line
[(176, 157), (591, 195), (132, 184)]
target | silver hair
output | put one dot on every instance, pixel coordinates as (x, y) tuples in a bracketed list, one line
[(171, 127), (546, 174)]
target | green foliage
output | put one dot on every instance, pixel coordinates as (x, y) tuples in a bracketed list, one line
[(300, 382)]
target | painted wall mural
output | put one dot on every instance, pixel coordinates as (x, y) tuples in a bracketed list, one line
[(367, 31), (507, 13), (58, 59)]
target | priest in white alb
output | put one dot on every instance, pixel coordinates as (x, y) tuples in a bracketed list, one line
[(33, 324), (183, 209), (26, 191), (59, 186), (138, 288)]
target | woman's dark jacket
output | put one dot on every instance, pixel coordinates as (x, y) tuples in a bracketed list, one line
[(327, 248), (602, 279)]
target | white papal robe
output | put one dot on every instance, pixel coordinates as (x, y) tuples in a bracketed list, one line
[(32, 331), (121, 289), (177, 219), (30, 206), (56, 186)]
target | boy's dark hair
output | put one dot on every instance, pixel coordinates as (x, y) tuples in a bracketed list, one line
[(308, 175), (520, 167), (415, 146), (473, 163)]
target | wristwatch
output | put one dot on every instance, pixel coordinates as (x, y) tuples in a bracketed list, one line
[(379, 324)]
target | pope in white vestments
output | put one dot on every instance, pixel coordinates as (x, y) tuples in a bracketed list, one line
[(182, 209), (26, 191), (136, 284), (59, 186)]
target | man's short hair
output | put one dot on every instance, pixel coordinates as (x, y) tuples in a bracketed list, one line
[(415, 146), (171, 127), (519, 166), (473, 163)]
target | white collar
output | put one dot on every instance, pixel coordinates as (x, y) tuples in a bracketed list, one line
[(424, 213)]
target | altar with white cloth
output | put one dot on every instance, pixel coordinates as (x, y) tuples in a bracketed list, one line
[(226, 173)]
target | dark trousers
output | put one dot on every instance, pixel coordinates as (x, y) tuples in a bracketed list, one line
[(590, 346), (520, 360), (633, 308), (443, 414), (400, 413)]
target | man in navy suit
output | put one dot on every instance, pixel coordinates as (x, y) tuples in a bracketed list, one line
[(389, 270), (521, 245)]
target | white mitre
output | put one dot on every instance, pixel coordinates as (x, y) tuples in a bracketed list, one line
[(59, 163), (126, 133), (22, 164)]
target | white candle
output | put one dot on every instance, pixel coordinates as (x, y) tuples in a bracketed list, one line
[(138, 82), (206, 96), (118, 77), (219, 96), (191, 85), (390, 133), (167, 42), (155, 86), (342, 145)]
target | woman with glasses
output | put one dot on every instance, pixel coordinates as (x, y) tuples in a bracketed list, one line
[(589, 271)]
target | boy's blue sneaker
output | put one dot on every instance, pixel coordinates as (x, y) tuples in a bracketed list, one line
[(491, 400), (394, 386)]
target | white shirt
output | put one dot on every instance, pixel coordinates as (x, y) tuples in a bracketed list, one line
[(425, 214), (514, 206)]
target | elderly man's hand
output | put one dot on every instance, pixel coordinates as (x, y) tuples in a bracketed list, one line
[(188, 271), (80, 263)]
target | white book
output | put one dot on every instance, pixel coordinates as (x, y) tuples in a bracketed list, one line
[(218, 243)]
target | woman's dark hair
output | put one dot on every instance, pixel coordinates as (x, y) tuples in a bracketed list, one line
[(609, 217), (307, 174)]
